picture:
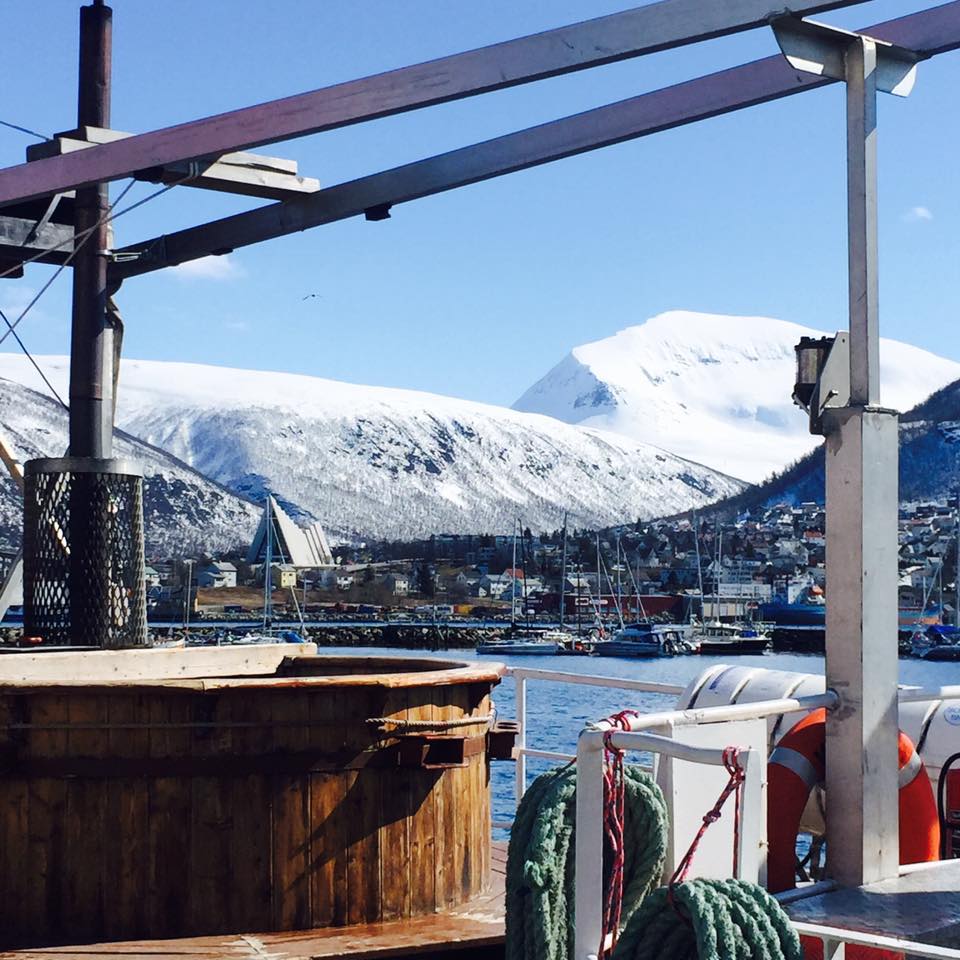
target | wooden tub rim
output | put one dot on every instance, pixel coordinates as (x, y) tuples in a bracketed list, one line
[(447, 673)]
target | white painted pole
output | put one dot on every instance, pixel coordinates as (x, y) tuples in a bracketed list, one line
[(520, 784), (863, 282), (752, 849), (588, 869)]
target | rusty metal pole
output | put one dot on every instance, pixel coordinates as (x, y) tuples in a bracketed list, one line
[(83, 542), (91, 346)]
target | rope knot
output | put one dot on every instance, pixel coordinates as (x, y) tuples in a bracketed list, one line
[(731, 763), (613, 823)]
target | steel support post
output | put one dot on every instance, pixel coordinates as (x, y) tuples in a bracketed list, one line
[(861, 662), (862, 569), (863, 286), (105, 532), (91, 345)]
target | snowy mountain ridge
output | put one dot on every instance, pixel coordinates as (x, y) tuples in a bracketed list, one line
[(712, 388), (184, 512), (384, 462)]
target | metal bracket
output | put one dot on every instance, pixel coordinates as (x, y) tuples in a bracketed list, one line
[(821, 49), (502, 740), (437, 751), (246, 174)]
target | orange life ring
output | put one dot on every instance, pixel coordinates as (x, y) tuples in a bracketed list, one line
[(798, 763)]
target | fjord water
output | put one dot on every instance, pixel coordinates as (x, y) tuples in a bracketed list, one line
[(556, 712)]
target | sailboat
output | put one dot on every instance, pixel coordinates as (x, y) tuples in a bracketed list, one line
[(521, 642), (573, 642), (642, 637), (714, 636)]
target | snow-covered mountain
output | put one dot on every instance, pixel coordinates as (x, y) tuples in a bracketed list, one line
[(184, 512), (714, 389), (393, 463), (929, 461)]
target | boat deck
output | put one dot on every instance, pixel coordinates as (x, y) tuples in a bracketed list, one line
[(923, 906), (474, 929)]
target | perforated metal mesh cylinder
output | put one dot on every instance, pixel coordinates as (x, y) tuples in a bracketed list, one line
[(83, 562)]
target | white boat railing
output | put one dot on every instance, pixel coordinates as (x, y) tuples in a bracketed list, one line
[(923, 694), (522, 677), (834, 940), (638, 736), (589, 843)]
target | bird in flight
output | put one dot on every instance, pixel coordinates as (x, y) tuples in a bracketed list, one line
[(310, 296)]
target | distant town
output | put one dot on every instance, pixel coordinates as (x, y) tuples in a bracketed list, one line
[(672, 569)]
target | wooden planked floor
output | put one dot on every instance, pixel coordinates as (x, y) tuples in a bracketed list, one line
[(473, 928)]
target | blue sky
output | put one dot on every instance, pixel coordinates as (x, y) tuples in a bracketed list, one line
[(479, 292)]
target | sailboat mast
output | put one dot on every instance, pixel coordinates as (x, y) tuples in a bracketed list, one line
[(599, 589), (267, 569), (719, 568), (956, 577), (563, 573), (523, 574), (619, 590), (638, 610), (579, 578), (513, 577), (940, 589), (696, 545)]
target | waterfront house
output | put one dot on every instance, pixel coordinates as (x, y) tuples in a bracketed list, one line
[(217, 574)]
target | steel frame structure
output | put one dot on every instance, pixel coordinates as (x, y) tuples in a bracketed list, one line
[(859, 518)]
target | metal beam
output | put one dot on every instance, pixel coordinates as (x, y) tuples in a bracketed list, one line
[(619, 36), (245, 174), (21, 238), (929, 32)]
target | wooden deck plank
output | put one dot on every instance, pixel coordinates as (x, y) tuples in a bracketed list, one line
[(478, 923)]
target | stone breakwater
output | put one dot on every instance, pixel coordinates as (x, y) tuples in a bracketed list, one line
[(412, 637), (404, 636), (407, 636)]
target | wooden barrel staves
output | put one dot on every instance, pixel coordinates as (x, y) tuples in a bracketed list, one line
[(332, 791)]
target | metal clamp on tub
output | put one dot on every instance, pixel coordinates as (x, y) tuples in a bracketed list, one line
[(421, 744), (438, 751), (502, 740)]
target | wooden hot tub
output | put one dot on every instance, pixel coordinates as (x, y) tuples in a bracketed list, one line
[(319, 791)]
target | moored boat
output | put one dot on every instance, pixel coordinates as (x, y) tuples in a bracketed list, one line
[(731, 638), (645, 640), (523, 644)]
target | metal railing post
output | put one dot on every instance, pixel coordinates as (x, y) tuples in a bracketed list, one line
[(520, 773), (588, 873), (833, 949), (752, 847)]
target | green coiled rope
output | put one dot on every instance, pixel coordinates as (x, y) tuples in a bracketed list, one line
[(709, 920), (704, 920)]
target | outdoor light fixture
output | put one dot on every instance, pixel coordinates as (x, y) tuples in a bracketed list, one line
[(823, 376)]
